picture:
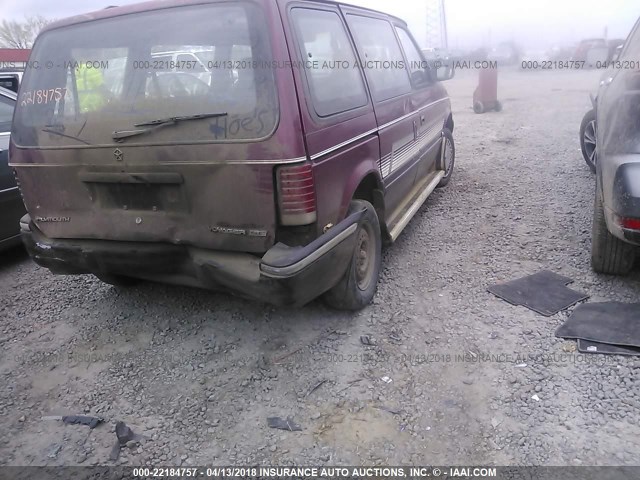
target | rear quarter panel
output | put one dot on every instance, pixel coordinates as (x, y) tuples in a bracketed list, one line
[(344, 148)]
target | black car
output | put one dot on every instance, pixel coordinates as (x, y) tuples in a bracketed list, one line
[(616, 218), (11, 206)]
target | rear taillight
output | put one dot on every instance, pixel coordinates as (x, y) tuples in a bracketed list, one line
[(296, 195), (629, 223)]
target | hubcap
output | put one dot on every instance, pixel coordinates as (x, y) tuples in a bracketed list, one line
[(365, 255), (590, 141)]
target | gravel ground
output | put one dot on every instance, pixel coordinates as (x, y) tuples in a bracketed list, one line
[(198, 373)]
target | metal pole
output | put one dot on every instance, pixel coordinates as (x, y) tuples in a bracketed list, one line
[(444, 25)]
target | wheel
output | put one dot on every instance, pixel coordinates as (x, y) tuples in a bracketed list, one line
[(498, 106), (609, 254), (116, 280), (478, 107), (588, 132), (356, 288), (447, 157)]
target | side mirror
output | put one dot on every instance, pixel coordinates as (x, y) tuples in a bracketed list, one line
[(420, 77), (445, 72)]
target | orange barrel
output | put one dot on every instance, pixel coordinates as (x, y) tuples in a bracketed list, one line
[(485, 97)]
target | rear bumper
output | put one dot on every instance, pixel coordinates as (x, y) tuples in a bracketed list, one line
[(622, 197), (283, 276)]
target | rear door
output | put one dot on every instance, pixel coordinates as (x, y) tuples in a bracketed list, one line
[(398, 123), (618, 122), (431, 102)]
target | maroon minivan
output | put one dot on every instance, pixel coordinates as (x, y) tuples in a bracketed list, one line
[(270, 154)]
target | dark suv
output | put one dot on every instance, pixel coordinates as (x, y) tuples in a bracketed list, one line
[(316, 136), (616, 218)]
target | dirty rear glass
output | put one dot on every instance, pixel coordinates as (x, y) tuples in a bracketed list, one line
[(86, 82)]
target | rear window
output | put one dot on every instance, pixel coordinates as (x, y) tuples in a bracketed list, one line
[(90, 80)]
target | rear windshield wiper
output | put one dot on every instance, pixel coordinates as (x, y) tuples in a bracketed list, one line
[(120, 135)]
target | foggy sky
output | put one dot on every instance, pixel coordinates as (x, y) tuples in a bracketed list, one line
[(471, 23)]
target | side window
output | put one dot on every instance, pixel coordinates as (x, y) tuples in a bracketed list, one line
[(381, 56), (329, 60), (416, 64), (10, 82), (6, 113)]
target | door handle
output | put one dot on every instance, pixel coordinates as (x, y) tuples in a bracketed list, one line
[(422, 119)]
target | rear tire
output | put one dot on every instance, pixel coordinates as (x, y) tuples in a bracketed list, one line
[(358, 285), (609, 254), (478, 107), (447, 161), (588, 129), (119, 281)]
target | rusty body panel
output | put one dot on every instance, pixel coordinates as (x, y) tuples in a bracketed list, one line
[(183, 209)]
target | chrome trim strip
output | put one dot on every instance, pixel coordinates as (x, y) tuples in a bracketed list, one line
[(385, 166), (20, 165), (203, 162), (284, 272), (241, 162), (398, 227), (343, 144), (8, 189), (391, 162)]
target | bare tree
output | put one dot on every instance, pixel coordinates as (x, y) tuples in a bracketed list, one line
[(15, 34)]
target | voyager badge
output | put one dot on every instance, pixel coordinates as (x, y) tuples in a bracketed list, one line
[(239, 231)]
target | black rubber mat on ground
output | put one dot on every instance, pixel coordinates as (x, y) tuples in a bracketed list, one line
[(543, 292), (587, 346), (613, 323)]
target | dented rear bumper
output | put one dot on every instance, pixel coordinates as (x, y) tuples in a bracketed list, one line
[(283, 276)]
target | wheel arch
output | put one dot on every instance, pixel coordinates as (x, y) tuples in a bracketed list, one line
[(449, 123), (371, 189)]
